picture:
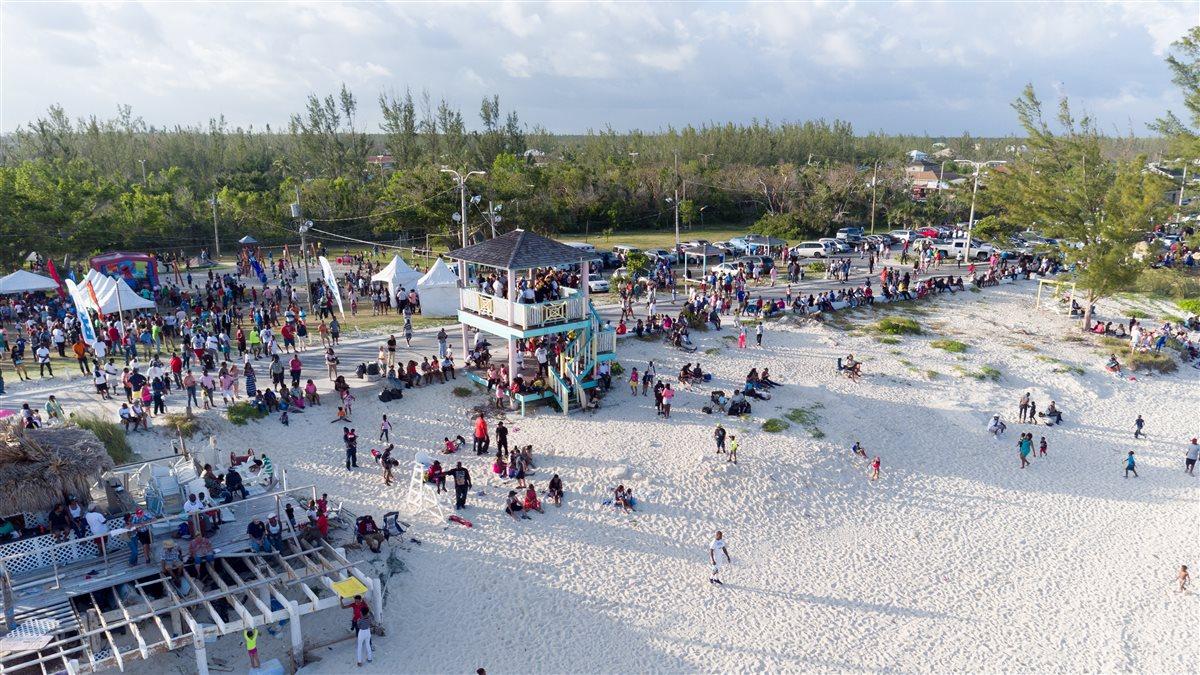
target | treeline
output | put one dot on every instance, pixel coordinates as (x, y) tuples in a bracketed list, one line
[(76, 186)]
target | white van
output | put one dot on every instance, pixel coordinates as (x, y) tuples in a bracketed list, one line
[(581, 245), (812, 249)]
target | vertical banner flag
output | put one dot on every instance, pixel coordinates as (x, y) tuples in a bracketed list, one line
[(85, 319), (331, 281), (54, 275)]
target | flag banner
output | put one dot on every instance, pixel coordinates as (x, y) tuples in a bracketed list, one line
[(331, 281), (85, 319), (54, 275)]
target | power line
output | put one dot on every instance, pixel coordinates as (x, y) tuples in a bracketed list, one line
[(384, 213)]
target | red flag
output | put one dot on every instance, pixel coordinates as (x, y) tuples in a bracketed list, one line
[(54, 275), (92, 293)]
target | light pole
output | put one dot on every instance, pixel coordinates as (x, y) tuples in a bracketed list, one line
[(702, 216), (971, 218), (874, 182), (303, 226), (462, 193), (706, 155), (143, 163), (216, 235)]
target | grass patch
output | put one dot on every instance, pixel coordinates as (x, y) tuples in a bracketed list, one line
[(242, 412), (1069, 368), (461, 392), (1137, 314), (974, 289), (1157, 362), (984, 373), (932, 374), (805, 417), (895, 352), (1190, 305), (888, 340), (1113, 342), (712, 351), (774, 425), (182, 424), (897, 325), (952, 346), (111, 434), (1176, 284)]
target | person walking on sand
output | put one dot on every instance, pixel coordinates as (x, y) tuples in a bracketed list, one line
[(462, 484), (875, 468), (1023, 407), (363, 645), (385, 428), (733, 448), (758, 333), (1183, 578), (1130, 465), (1024, 446), (1138, 425), (633, 381), (1042, 447), (719, 437), (1189, 461), (718, 544), (742, 337)]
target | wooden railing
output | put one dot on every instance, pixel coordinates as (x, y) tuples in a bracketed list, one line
[(606, 341), (571, 308)]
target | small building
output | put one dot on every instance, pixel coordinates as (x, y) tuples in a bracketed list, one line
[(515, 259)]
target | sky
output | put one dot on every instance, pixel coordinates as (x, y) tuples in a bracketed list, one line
[(902, 67)]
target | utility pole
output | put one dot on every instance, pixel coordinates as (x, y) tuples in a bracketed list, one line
[(216, 234), (1182, 185), (143, 163), (874, 181), (677, 201), (971, 217), (462, 194), (303, 226)]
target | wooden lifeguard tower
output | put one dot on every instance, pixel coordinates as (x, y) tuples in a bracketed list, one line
[(571, 317)]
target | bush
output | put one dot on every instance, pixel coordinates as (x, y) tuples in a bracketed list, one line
[(712, 351), (889, 340), (774, 425), (1137, 314), (1190, 305), (816, 267), (461, 392), (111, 434), (242, 412), (1170, 283), (952, 346), (896, 325), (987, 373), (182, 424), (1158, 362), (617, 368), (807, 419)]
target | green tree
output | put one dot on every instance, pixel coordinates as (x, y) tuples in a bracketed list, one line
[(1066, 188), (1184, 62)]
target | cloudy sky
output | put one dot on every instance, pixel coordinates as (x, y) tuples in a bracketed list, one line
[(940, 68)]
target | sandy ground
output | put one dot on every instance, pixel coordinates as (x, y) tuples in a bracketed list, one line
[(955, 560)]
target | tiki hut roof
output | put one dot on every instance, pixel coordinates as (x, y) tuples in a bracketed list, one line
[(520, 250), (40, 467)]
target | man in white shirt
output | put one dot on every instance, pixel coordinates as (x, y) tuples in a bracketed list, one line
[(718, 544), (98, 525), (43, 359)]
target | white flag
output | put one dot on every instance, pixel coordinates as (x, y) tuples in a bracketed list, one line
[(331, 281)]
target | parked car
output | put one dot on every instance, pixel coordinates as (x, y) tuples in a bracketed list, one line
[(757, 260), (657, 254), (608, 259), (738, 245), (725, 268), (979, 249), (903, 235), (597, 283), (813, 249), (851, 235), (841, 246), (931, 232)]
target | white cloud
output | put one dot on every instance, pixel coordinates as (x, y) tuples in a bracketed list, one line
[(516, 64), (908, 66)]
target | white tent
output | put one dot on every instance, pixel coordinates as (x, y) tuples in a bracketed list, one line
[(398, 275), (22, 281), (107, 291), (439, 290)]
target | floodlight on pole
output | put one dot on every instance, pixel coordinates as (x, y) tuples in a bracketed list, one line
[(462, 193)]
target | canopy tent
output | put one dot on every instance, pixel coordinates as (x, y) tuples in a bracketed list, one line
[(108, 290), (248, 241), (438, 290), (757, 244), (398, 275), (22, 281), (703, 257)]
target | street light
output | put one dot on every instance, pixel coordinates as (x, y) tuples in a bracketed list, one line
[(462, 192), (702, 216), (971, 217)]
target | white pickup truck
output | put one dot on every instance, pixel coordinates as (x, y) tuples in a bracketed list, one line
[(955, 248)]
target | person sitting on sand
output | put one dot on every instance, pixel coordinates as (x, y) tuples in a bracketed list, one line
[(764, 379), (531, 500), (1052, 413), (513, 506), (555, 490), (1113, 366), (996, 426), (623, 498), (851, 368)]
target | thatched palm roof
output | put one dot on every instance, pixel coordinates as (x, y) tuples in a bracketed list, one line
[(520, 250), (40, 467)]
